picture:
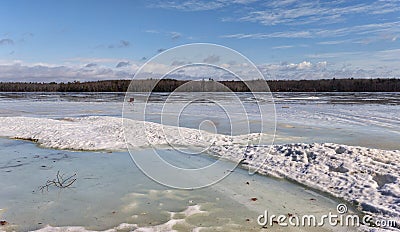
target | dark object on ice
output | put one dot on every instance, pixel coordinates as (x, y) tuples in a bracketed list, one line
[(253, 199), (59, 182), (27, 139), (3, 223)]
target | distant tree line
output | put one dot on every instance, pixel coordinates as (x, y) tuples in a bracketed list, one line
[(169, 85), (76, 86)]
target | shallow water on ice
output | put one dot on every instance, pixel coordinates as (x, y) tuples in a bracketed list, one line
[(111, 190)]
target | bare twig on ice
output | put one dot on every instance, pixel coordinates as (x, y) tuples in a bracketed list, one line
[(59, 182)]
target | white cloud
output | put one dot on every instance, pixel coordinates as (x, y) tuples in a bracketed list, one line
[(18, 72), (295, 66), (82, 69), (322, 64), (321, 70), (304, 65), (315, 68)]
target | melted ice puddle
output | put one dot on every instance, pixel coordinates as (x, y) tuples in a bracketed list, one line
[(111, 193)]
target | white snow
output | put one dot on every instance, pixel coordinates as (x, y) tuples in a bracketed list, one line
[(107, 133), (369, 178), (167, 226)]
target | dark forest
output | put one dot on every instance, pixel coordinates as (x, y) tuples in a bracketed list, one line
[(168, 85)]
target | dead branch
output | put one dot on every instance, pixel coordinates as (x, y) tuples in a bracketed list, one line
[(59, 182)]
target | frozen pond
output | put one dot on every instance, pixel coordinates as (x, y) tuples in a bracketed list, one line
[(360, 119), (112, 193)]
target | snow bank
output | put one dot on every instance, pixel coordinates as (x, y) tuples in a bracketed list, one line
[(368, 178), (107, 133)]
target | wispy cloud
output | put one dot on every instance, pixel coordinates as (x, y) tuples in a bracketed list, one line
[(90, 65), (160, 50), (122, 64), (333, 55), (189, 5), (367, 29), (290, 12), (199, 5), (175, 35), (334, 42), (124, 43), (212, 59), (365, 60), (170, 34), (307, 12), (283, 34), (283, 47), (6, 41), (120, 44), (152, 31), (26, 36), (389, 55), (94, 60)]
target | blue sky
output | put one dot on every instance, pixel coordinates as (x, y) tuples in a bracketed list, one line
[(94, 39)]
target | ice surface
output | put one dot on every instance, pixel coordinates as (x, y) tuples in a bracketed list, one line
[(368, 178), (167, 226), (111, 191)]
